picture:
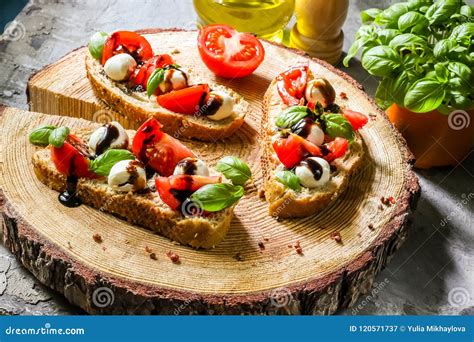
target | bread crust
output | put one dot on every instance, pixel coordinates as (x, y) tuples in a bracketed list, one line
[(175, 124), (284, 202), (142, 209)]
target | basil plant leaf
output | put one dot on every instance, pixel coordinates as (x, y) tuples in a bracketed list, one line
[(369, 15), (413, 22), (96, 44), (442, 10), (292, 115), (40, 136), (234, 169), (216, 197), (288, 179), (104, 163), (58, 136), (425, 95), (157, 76), (381, 61), (336, 125)]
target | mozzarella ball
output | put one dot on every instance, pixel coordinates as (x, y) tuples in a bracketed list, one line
[(191, 166), (110, 135), (127, 175), (320, 90), (309, 130), (120, 67), (174, 79), (313, 172), (225, 103)]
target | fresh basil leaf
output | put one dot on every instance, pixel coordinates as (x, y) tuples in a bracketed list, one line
[(40, 136), (384, 94), (366, 32), (463, 72), (96, 44), (401, 84), (352, 52), (465, 30), (390, 16), (443, 47), (407, 40), (441, 72), (369, 15), (442, 10), (216, 197), (386, 35), (460, 101), (104, 162), (381, 61), (417, 4), (234, 169), (413, 22), (157, 76), (58, 136), (288, 179), (425, 95), (336, 125), (467, 11), (292, 115)]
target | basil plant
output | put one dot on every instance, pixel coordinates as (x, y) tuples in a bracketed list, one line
[(423, 50)]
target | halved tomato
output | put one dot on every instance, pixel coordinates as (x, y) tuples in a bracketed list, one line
[(290, 151), (185, 101), (229, 53), (143, 73), (335, 149), (127, 42), (70, 159), (291, 85), (157, 149), (356, 119), (174, 190)]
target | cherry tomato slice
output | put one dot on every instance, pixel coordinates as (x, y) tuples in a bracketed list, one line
[(143, 73), (292, 150), (70, 159), (291, 85), (174, 190), (128, 42), (185, 101), (158, 150), (229, 53), (335, 149), (356, 119)]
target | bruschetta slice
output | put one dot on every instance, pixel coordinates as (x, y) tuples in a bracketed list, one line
[(146, 177), (311, 145), (129, 77)]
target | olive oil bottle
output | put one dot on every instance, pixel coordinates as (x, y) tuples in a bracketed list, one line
[(265, 18)]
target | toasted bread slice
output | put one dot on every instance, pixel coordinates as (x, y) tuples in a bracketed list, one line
[(138, 107), (284, 202), (144, 209)]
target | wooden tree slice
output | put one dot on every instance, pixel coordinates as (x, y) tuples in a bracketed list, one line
[(256, 269)]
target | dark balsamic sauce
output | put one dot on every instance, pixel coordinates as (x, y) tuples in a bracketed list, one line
[(183, 194), (68, 197), (111, 133), (303, 127), (188, 165), (315, 168), (212, 105)]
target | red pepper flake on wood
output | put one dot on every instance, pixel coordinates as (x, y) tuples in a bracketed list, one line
[(153, 256), (97, 238), (343, 95), (371, 226), (391, 200), (336, 236), (173, 257), (261, 245), (148, 249), (298, 248)]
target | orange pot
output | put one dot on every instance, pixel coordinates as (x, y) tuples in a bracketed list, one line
[(435, 139)]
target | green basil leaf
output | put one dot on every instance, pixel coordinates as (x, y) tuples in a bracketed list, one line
[(465, 30), (58, 136), (292, 115), (103, 163), (381, 61), (336, 125), (442, 10), (383, 94), (390, 16), (417, 4), (467, 11), (443, 47), (234, 169), (369, 15), (216, 197), (463, 72), (40, 136), (386, 35), (157, 76), (460, 101), (96, 44), (441, 72), (425, 95), (352, 52), (413, 22), (288, 179), (407, 40)]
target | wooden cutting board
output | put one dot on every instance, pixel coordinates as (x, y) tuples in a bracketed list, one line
[(256, 269)]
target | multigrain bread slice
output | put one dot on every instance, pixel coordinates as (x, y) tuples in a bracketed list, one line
[(143, 209), (284, 202), (138, 107)]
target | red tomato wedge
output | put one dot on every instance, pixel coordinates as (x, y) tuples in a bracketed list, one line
[(229, 53), (356, 119), (291, 85), (128, 42), (292, 150), (185, 101), (335, 149), (174, 190), (143, 73), (158, 150), (69, 159)]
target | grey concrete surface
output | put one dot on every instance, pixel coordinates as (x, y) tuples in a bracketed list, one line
[(433, 273)]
